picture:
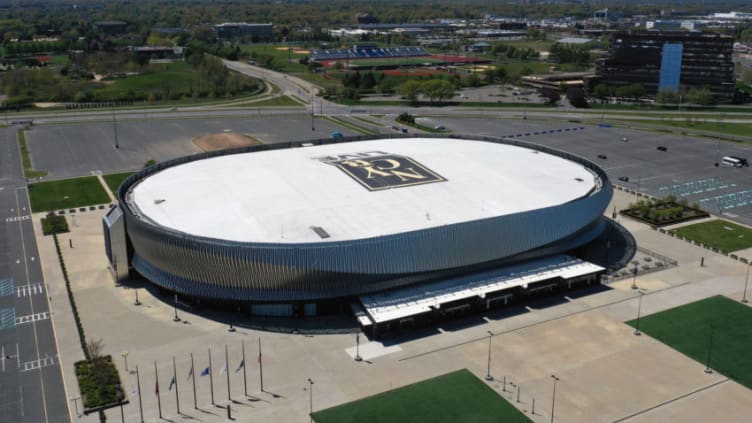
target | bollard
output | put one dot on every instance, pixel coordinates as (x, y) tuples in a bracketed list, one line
[(70, 242), (702, 261)]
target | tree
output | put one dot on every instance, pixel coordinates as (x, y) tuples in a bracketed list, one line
[(667, 97), (409, 90), (368, 81), (601, 92), (438, 89), (551, 95), (576, 97), (701, 96)]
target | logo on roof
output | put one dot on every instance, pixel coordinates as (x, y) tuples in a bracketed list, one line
[(378, 170)]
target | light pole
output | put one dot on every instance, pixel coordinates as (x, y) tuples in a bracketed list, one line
[(639, 309), (313, 126), (634, 280), (175, 306), (124, 354), (114, 129), (357, 348), (746, 281), (553, 398), (137, 302), (488, 368), (310, 398), (710, 350)]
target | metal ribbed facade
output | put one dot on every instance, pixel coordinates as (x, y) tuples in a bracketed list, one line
[(247, 271)]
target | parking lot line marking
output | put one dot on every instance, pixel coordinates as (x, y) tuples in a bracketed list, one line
[(30, 289), (32, 318)]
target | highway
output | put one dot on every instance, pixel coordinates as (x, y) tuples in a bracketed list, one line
[(31, 385)]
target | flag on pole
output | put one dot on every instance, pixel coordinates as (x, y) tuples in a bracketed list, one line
[(242, 364), (223, 370), (172, 382), (156, 388), (205, 372), (190, 373)]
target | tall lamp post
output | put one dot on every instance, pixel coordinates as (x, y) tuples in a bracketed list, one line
[(357, 348), (710, 350), (175, 307), (488, 368), (746, 281), (639, 309), (124, 354), (634, 280), (114, 128), (310, 398), (553, 398)]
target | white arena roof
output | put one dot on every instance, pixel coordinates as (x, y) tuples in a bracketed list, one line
[(355, 190)]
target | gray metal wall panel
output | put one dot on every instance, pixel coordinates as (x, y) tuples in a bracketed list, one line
[(278, 272)]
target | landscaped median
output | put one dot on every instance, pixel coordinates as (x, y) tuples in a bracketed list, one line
[(99, 383), (659, 212)]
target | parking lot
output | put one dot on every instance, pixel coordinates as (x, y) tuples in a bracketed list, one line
[(76, 149), (685, 169)]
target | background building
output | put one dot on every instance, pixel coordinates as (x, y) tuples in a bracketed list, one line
[(227, 30), (658, 60)]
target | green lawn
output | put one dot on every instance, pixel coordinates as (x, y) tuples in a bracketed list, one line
[(281, 60), (687, 329), (115, 179), (66, 194), (457, 397), (725, 236), (742, 129)]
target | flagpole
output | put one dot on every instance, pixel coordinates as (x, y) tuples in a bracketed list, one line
[(193, 376), (175, 377), (227, 372), (245, 380), (211, 378), (159, 401), (138, 386)]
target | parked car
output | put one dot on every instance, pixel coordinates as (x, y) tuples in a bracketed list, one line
[(602, 156), (624, 178), (661, 148), (625, 139)]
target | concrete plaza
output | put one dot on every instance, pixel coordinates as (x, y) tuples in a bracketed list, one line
[(605, 372)]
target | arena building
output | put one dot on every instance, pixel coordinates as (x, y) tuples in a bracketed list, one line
[(392, 227)]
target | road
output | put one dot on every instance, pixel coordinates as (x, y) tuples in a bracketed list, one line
[(31, 384)]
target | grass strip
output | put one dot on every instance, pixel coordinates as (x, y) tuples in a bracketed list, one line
[(28, 169), (349, 125)]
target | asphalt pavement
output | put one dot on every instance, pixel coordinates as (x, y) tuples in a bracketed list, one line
[(685, 169), (31, 384)]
